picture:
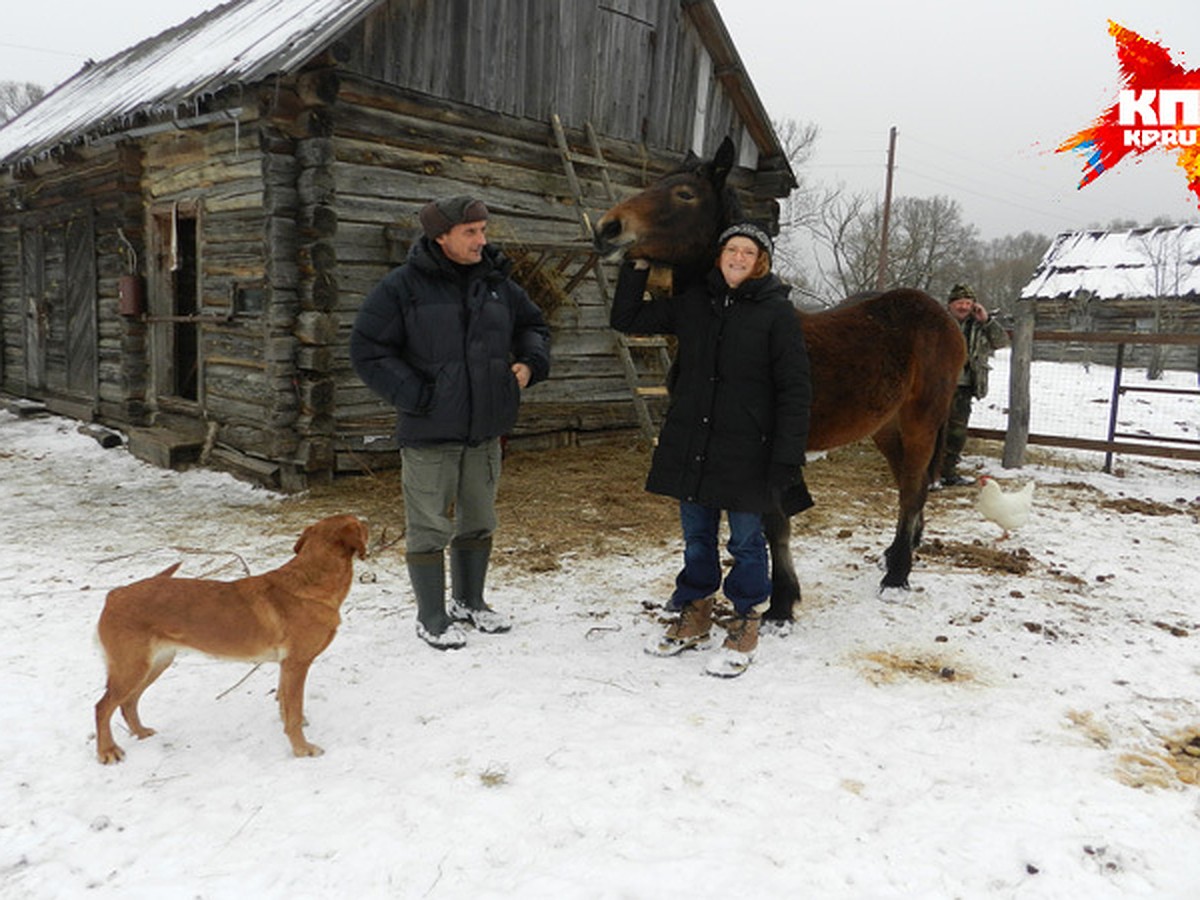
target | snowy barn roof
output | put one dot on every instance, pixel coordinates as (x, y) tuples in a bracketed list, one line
[(1144, 262), (242, 41)]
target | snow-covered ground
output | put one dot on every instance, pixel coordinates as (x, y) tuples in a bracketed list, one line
[(989, 734)]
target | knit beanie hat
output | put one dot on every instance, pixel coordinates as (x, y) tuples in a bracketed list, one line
[(748, 230), (960, 292), (439, 216)]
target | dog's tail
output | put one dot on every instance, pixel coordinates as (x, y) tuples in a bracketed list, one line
[(168, 571)]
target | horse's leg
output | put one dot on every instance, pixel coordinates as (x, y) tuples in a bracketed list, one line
[(785, 586), (908, 455)]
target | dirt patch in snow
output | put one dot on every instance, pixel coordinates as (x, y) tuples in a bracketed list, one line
[(589, 502)]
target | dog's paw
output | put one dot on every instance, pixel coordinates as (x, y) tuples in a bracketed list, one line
[(306, 749), (110, 755)]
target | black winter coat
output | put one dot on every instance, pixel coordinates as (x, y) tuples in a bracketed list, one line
[(438, 340), (741, 396)]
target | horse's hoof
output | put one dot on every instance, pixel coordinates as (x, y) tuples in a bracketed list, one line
[(780, 628), (894, 593)]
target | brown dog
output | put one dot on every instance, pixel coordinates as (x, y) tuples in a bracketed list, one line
[(289, 615)]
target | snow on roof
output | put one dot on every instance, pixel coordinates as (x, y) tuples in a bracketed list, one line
[(1144, 262), (240, 42)]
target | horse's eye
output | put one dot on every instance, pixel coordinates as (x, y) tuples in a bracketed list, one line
[(685, 194)]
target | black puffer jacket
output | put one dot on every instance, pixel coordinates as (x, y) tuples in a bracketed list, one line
[(740, 401), (437, 341)]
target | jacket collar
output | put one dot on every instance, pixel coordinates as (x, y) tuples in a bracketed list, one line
[(752, 289), (427, 256)]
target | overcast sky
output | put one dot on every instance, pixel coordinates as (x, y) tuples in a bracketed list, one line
[(980, 93)]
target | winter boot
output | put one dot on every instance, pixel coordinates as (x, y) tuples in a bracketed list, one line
[(427, 572), (736, 654), (691, 629), (956, 480), (468, 567)]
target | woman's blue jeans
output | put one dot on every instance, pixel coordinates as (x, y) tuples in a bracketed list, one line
[(749, 581)]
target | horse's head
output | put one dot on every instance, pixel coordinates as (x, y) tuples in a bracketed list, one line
[(677, 219)]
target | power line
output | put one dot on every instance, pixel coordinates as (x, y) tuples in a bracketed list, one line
[(43, 50)]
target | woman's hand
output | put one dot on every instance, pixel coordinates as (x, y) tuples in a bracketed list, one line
[(522, 373)]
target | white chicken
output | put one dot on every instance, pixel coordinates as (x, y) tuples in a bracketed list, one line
[(1010, 510)]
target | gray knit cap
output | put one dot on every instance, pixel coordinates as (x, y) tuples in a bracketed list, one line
[(439, 216), (748, 230)]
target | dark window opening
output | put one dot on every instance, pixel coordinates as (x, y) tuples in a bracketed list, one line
[(185, 288)]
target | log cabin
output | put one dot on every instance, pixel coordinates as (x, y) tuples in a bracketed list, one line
[(188, 228), (1144, 281)]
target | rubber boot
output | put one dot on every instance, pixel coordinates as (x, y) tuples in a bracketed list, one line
[(427, 572), (468, 571)]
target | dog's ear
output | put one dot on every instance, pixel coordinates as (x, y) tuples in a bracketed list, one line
[(300, 540), (355, 537)]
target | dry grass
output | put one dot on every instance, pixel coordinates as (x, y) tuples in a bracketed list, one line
[(587, 502)]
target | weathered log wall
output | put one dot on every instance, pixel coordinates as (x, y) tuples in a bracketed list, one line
[(1135, 315), (60, 263)]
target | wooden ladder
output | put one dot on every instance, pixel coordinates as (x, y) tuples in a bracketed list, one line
[(640, 391)]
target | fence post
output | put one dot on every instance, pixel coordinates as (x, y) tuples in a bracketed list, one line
[(1114, 405), (1021, 361)]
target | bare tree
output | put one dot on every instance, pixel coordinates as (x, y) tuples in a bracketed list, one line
[(845, 231), (929, 239), (16, 96), (999, 269), (928, 242), (799, 141)]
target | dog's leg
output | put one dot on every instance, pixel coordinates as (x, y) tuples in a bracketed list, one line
[(107, 750), (127, 668), (129, 708), (292, 674)]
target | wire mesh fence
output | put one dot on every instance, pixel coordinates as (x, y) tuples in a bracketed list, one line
[(1107, 408)]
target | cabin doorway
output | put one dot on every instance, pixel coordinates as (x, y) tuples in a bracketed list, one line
[(58, 286), (175, 305)]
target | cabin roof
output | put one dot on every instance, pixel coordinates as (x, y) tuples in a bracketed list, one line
[(239, 42), (1115, 265), (170, 75)]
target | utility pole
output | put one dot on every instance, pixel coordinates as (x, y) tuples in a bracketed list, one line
[(881, 270)]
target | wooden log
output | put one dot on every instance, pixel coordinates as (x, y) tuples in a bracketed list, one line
[(317, 187), (315, 152), (316, 396), (279, 169), (316, 328), (281, 201), (105, 437), (315, 359), (319, 220), (318, 87), (321, 292), (318, 257)]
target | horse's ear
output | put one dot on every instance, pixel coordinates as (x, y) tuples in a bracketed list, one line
[(722, 163)]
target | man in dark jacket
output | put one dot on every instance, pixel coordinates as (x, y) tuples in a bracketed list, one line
[(984, 336), (735, 432), (450, 340)]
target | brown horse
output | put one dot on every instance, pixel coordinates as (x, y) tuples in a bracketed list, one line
[(883, 367)]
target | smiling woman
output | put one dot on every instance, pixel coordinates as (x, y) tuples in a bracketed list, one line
[(734, 437)]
